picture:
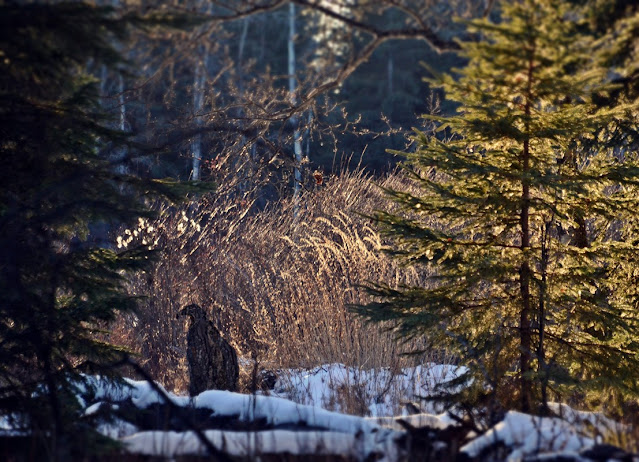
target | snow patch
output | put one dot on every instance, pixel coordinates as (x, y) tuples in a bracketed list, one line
[(528, 435), (279, 411), (380, 390), (243, 444), (437, 422)]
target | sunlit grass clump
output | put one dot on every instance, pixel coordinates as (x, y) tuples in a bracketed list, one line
[(278, 282)]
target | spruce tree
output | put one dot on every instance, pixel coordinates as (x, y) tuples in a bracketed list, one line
[(58, 289), (617, 23), (524, 216)]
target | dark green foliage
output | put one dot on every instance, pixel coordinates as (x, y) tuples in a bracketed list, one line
[(59, 290), (526, 217)]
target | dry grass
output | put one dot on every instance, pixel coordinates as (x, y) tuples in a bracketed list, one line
[(277, 283)]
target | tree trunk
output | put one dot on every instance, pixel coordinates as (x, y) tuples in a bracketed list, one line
[(121, 152), (240, 50), (542, 368), (198, 105), (525, 275), (292, 87), (389, 72)]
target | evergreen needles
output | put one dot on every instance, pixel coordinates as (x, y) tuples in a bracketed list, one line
[(533, 211), (58, 290)]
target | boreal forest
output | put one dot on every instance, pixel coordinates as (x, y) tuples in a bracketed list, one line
[(319, 230)]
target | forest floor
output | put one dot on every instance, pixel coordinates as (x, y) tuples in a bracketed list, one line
[(301, 419)]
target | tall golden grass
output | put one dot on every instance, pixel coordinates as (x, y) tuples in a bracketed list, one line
[(277, 282)]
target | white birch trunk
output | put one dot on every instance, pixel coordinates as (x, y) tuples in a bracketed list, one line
[(121, 152), (198, 105), (292, 87), (199, 79), (308, 133), (240, 51)]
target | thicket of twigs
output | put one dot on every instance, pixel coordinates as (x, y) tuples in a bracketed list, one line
[(277, 283)]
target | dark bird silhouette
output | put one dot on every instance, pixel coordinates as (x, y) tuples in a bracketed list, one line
[(212, 360)]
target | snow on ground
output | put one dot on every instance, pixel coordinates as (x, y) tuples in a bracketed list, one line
[(594, 422), (528, 435), (140, 392), (273, 410), (279, 411), (245, 444), (301, 396), (306, 400), (438, 422), (327, 432), (380, 391), (117, 429)]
